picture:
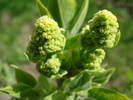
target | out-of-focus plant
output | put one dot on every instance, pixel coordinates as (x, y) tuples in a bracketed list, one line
[(6, 74), (71, 56)]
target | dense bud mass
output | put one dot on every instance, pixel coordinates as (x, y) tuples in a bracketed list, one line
[(50, 67), (92, 59), (46, 39), (100, 32)]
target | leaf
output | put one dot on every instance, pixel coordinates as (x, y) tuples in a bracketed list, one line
[(106, 94), (80, 82), (67, 10), (87, 99), (66, 59), (54, 10), (118, 35), (57, 95), (15, 90), (60, 74), (102, 78), (62, 11), (42, 9), (72, 96), (72, 42), (78, 19), (43, 83), (24, 77), (30, 94)]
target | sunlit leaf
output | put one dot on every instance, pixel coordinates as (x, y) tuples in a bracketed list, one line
[(102, 78), (57, 95), (24, 77), (42, 9), (67, 10), (15, 90), (118, 35), (78, 19), (79, 82), (54, 10), (106, 94), (43, 83)]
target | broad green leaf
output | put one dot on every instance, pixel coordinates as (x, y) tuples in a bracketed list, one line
[(62, 11), (54, 10), (78, 19), (42, 9), (30, 94), (24, 77), (118, 35), (80, 82), (67, 10), (106, 94), (102, 78), (15, 90), (43, 83)]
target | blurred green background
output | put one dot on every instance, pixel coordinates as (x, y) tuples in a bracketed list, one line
[(16, 23)]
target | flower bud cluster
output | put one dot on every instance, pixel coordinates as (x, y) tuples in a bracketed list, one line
[(99, 34), (50, 67), (92, 59), (45, 41)]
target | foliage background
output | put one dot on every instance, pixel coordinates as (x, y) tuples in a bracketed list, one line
[(16, 23)]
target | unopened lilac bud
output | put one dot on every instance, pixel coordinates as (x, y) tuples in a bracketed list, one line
[(92, 59), (46, 39), (102, 31), (50, 67)]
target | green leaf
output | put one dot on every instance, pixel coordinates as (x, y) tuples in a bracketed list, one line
[(60, 74), (102, 78), (106, 94), (57, 95), (62, 11), (73, 42), (43, 83), (72, 96), (24, 77), (60, 95), (78, 19), (54, 10), (15, 90), (30, 94), (42, 9), (66, 59), (87, 99), (80, 82), (118, 35), (67, 10)]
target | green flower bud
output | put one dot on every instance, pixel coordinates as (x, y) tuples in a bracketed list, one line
[(50, 67), (100, 32), (92, 59), (46, 39)]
